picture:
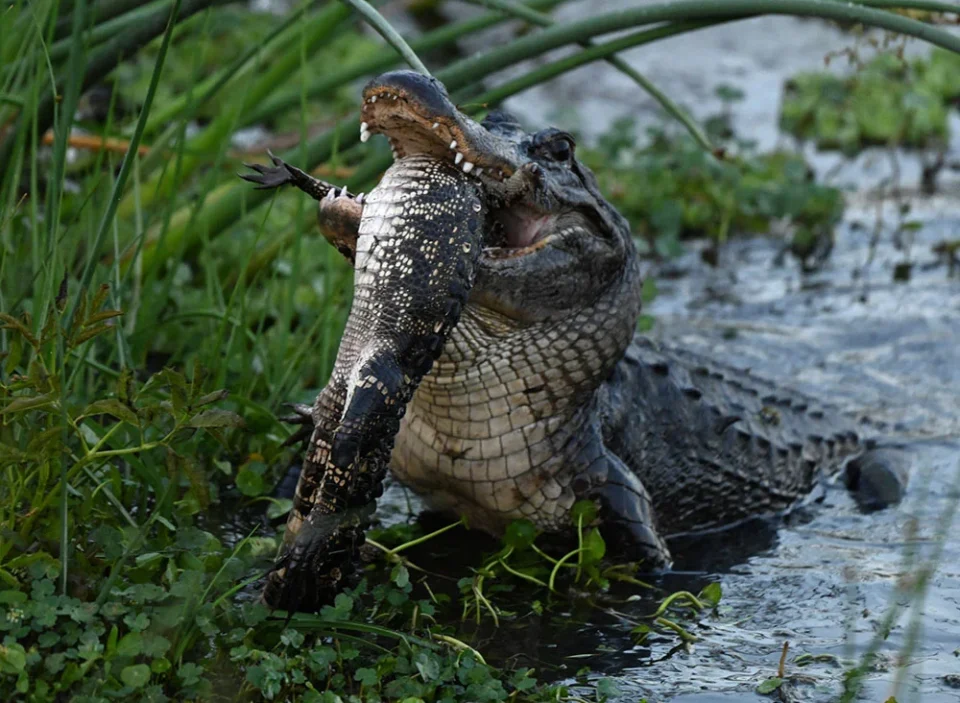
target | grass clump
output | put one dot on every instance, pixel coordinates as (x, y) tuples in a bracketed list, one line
[(890, 101)]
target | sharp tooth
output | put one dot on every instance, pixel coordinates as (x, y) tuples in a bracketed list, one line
[(364, 136), (453, 144), (359, 199), (467, 166), (344, 193), (436, 125), (330, 194), (364, 127), (479, 171), (458, 158), (373, 98)]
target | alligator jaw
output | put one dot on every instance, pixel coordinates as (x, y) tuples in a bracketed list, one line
[(417, 116)]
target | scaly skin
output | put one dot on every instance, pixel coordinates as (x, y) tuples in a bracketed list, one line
[(543, 395), (410, 285)]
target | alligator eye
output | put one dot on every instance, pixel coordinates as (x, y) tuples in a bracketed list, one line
[(561, 148)]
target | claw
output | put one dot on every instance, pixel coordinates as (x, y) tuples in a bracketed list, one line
[(303, 416)]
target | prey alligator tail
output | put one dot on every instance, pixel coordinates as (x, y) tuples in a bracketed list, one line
[(543, 393)]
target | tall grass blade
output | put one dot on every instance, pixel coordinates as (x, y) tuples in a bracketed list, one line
[(128, 159), (671, 108), (385, 30)]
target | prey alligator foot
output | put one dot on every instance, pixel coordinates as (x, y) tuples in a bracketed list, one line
[(282, 173), (339, 212), (319, 562), (303, 416)]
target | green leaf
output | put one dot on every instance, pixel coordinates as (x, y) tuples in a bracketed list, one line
[(648, 291), (400, 576), (130, 645), (645, 323), (428, 666), (214, 397), (216, 418), (594, 546), (278, 507), (112, 407), (12, 323), (13, 597), (13, 658), (520, 534), (250, 483), (111, 647), (23, 403), (584, 511), (366, 676), (135, 676), (770, 685), (160, 666), (712, 593)]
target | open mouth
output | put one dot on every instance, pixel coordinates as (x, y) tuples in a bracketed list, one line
[(416, 116)]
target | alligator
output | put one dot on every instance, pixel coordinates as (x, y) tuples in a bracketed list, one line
[(545, 394)]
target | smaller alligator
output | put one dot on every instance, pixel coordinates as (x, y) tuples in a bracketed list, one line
[(543, 393), (418, 237)]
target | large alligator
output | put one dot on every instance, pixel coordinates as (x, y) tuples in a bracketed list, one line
[(544, 394)]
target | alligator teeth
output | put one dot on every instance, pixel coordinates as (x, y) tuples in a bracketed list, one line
[(373, 98), (453, 144), (467, 166), (436, 125), (330, 194), (359, 199), (364, 132), (458, 158)]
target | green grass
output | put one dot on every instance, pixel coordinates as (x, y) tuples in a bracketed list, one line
[(157, 312)]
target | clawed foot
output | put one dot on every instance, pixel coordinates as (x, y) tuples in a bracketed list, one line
[(282, 173), (303, 416), (268, 177), (316, 567)]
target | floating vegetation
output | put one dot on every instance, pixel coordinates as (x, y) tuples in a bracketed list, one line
[(890, 101), (670, 190)]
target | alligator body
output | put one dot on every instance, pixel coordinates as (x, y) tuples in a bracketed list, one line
[(411, 283), (543, 394)]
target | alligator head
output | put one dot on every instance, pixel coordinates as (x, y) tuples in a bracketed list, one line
[(555, 249)]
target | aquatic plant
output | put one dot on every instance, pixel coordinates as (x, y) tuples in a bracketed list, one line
[(890, 101)]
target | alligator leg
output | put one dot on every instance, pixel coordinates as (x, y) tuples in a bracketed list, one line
[(303, 416), (338, 213), (629, 520), (878, 478)]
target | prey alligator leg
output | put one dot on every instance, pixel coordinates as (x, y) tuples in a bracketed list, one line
[(338, 213), (303, 416)]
